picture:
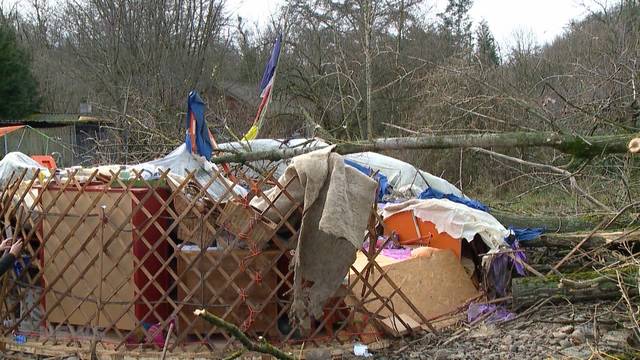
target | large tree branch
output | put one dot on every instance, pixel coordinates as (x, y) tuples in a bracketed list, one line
[(569, 175), (262, 347), (581, 146)]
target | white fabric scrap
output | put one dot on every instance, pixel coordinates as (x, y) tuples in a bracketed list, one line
[(457, 220)]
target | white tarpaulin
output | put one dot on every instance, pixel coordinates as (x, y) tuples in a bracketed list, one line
[(181, 161), (457, 220), (403, 177), (15, 163)]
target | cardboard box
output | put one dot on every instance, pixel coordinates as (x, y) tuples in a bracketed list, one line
[(247, 224), (435, 285), (217, 287)]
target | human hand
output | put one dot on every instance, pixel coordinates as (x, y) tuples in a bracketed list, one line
[(15, 248), (5, 244)]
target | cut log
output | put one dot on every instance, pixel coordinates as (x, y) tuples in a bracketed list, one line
[(569, 240), (580, 146), (583, 286), (634, 145)]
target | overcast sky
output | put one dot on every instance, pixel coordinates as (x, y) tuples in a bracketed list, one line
[(546, 19)]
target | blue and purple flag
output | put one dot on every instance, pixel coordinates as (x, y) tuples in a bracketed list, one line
[(266, 84)]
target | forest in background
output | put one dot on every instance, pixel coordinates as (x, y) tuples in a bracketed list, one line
[(350, 70)]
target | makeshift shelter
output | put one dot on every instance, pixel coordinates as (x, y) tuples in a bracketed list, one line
[(119, 257)]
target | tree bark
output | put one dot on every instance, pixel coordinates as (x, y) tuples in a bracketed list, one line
[(569, 241), (262, 347), (368, 29), (580, 146), (582, 286)]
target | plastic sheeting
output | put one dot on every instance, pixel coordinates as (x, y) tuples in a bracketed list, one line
[(402, 176), (198, 138), (526, 234), (493, 313), (180, 161), (458, 220), (16, 163), (431, 193)]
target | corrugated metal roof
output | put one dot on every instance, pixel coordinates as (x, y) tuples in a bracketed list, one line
[(56, 119)]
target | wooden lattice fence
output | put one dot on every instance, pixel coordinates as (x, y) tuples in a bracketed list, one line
[(115, 262)]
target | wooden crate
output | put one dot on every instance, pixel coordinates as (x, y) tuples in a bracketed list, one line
[(227, 280), (192, 228), (246, 223)]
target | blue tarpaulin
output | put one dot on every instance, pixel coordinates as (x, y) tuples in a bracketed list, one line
[(383, 182), (431, 193), (198, 139), (519, 234), (526, 234)]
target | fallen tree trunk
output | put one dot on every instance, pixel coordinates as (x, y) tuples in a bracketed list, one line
[(557, 223), (570, 240), (580, 146), (583, 286)]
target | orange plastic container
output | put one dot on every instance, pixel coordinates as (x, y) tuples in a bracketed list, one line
[(45, 160), (414, 231)]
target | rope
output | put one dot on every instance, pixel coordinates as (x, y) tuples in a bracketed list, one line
[(246, 325), (243, 295)]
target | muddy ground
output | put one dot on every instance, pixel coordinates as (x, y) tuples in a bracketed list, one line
[(585, 331), (604, 330)]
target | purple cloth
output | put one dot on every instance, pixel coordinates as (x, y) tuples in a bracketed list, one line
[(398, 254), (379, 242), (390, 250), (498, 313), (500, 274), (520, 255)]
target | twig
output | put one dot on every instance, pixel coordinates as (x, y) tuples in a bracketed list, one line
[(166, 342), (528, 311), (472, 325), (234, 355), (603, 225), (625, 296), (526, 266), (569, 175), (263, 347)]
